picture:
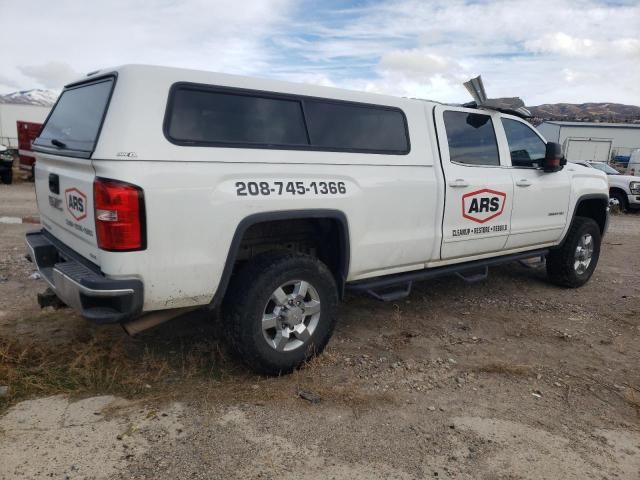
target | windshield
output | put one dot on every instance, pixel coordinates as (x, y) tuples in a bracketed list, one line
[(605, 168), (75, 121)]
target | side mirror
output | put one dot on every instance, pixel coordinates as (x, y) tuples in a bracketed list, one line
[(553, 158)]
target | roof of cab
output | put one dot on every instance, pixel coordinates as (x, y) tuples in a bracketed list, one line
[(171, 75)]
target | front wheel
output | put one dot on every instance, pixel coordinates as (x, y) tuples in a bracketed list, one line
[(279, 311), (573, 263), (621, 198)]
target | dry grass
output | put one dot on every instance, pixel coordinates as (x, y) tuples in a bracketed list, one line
[(632, 397), (162, 365), (502, 368), (102, 363)]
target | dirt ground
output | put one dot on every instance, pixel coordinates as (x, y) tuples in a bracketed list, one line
[(511, 378)]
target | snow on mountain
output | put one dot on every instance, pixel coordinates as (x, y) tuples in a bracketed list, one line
[(31, 97)]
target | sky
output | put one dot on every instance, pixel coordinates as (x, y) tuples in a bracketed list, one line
[(543, 51)]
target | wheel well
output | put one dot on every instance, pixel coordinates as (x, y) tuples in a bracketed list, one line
[(595, 208), (320, 237), (617, 190), (323, 234)]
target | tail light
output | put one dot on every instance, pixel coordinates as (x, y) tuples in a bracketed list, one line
[(119, 214)]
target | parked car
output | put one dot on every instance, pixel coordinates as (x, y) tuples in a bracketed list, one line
[(624, 189), (163, 189), (6, 165), (621, 160)]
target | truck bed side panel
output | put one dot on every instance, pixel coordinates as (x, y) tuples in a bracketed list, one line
[(193, 210)]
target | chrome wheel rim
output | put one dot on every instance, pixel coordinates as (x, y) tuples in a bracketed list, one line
[(583, 253), (291, 315)]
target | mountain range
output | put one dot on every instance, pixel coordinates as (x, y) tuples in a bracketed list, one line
[(31, 97), (586, 112)]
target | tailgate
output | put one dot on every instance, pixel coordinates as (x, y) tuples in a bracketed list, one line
[(64, 172), (64, 190)]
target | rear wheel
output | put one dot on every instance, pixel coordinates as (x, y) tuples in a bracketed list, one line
[(573, 263), (279, 311)]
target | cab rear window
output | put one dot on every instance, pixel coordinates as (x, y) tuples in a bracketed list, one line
[(75, 121), (471, 138)]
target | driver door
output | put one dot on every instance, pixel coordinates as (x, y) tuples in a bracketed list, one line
[(540, 200)]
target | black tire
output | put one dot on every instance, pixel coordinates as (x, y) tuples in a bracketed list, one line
[(251, 294), (623, 202), (7, 177), (561, 261)]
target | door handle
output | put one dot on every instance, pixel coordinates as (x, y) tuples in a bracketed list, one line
[(54, 183), (523, 183), (458, 183)]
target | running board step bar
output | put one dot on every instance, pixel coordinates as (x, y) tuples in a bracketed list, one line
[(470, 277), (397, 286), (396, 292), (542, 261)]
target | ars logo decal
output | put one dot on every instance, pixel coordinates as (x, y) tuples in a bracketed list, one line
[(483, 205), (76, 203)]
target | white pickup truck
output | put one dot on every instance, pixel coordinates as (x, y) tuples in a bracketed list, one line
[(165, 189), (624, 189)]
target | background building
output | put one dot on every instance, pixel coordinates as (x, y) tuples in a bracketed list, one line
[(11, 113), (593, 141)]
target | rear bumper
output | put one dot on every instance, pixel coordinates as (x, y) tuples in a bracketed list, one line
[(82, 286)]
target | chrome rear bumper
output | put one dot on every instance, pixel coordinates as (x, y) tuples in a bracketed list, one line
[(81, 285)]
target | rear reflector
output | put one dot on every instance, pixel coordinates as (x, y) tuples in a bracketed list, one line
[(119, 214)]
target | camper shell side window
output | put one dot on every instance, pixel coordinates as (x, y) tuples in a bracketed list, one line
[(210, 116)]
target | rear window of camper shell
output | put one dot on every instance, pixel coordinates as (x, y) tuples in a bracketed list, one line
[(75, 121)]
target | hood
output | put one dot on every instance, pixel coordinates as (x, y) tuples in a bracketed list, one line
[(628, 178), (622, 180)]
